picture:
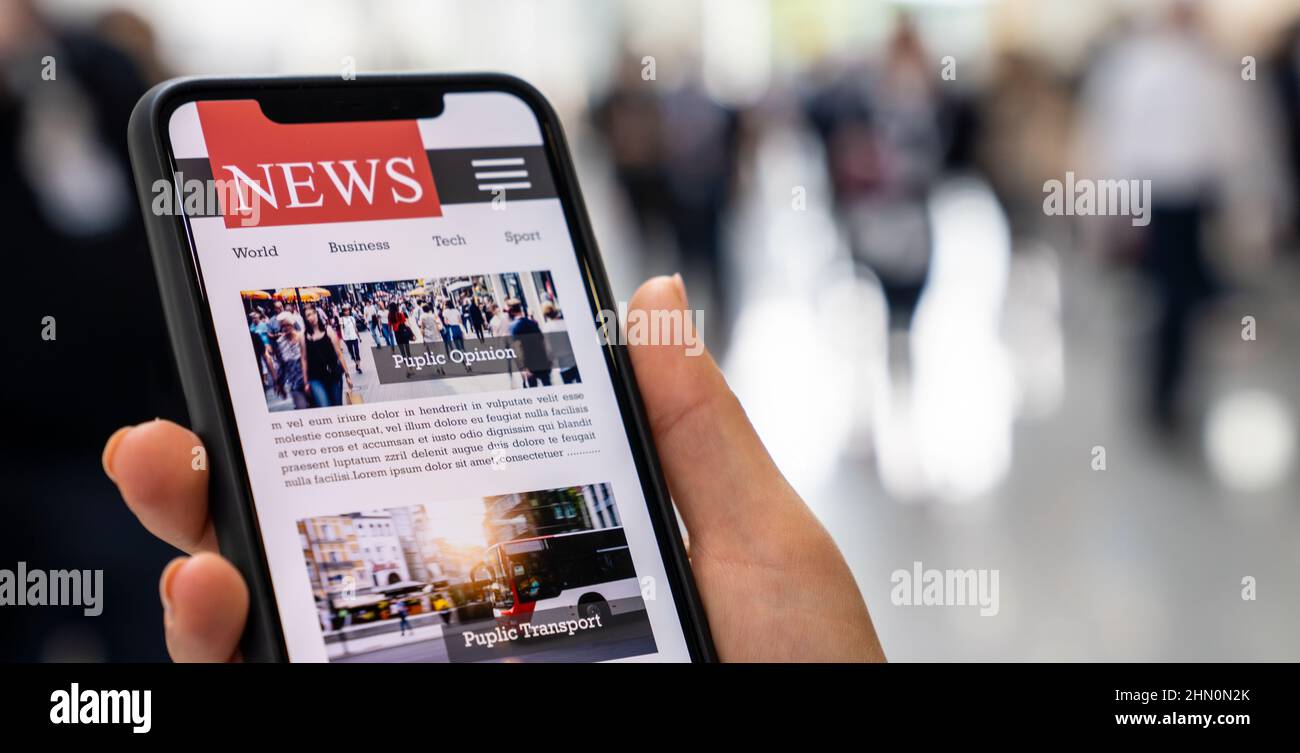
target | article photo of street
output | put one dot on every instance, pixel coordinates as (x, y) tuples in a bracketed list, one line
[(320, 346), (531, 576)]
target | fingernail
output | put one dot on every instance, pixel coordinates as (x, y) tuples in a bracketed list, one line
[(681, 287), (110, 448), (165, 583)]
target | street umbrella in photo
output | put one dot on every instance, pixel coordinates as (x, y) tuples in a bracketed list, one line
[(297, 294)]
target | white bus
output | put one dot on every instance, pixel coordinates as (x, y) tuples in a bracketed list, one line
[(565, 575)]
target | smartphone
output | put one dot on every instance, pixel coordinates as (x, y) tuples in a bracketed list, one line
[(389, 312)]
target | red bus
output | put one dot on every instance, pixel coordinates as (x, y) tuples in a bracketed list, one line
[(579, 574)]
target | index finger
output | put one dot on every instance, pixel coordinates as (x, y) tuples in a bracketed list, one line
[(157, 468)]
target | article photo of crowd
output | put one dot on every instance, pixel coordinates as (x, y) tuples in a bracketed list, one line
[(319, 346), (533, 576)]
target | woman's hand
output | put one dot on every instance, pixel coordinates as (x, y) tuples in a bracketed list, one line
[(774, 585)]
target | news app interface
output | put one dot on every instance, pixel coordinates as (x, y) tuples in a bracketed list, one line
[(438, 462)]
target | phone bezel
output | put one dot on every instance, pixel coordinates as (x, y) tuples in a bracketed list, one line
[(203, 373)]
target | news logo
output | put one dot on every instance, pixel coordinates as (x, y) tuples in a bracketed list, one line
[(308, 173)]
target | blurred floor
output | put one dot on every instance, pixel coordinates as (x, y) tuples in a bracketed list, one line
[(1141, 561)]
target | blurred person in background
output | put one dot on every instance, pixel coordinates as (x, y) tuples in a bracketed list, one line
[(77, 254), (887, 130), (1025, 116), (675, 151), (1159, 105), (65, 98), (701, 156), (134, 36), (630, 122)]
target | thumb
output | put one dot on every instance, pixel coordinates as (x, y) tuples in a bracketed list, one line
[(728, 490), (205, 605)]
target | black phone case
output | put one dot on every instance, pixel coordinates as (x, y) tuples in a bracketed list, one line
[(202, 374)]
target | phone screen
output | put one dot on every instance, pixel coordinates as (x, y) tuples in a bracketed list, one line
[(434, 444)]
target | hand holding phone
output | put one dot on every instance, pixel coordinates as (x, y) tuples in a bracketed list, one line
[(487, 488), (773, 584)]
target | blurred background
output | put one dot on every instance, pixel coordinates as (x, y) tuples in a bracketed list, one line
[(1106, 414)]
